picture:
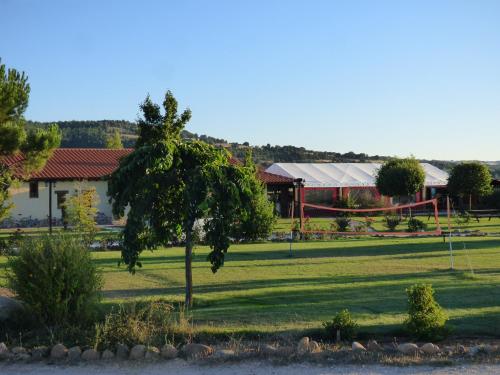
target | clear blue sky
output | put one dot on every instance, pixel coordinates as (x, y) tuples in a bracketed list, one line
[(381, 77)]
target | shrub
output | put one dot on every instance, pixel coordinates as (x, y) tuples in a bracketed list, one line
[(416, 225), (81, 211), (463, 218), (392, 221), (342, 223), (426, 319), (344, 323), (56, 278), (154, 323)]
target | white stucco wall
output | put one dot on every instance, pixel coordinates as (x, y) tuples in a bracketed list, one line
[(38, 208)]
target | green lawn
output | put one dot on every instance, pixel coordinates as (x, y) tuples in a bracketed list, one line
[(261, 289), (484, 224)]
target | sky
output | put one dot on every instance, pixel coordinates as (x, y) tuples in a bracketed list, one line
[(394, 78)]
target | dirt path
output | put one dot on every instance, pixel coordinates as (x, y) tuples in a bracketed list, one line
[(179, 367)]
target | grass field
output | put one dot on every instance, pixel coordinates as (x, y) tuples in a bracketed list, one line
[(484, 224), (262, 290)]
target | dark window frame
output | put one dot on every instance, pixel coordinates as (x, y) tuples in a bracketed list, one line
[(34, 189)]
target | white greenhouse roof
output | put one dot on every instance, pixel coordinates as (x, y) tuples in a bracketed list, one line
[(346, 174)]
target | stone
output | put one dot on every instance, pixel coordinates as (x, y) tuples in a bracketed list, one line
[(374, 346), (475, 350), (90, 355), (152, 353), (195, 351), (20, 354), (268, 349), (107, 355), (357, 347), (224, 353), (489, 349), (18, 350), (461, 349), (303, 346), (74, 354), (430, 348), (4, 351), (39, 352), (448, 350), (22, 357), (9, 308), (122, 351), (169, 351), (408, 348), (137, 352), (314, 347), (59, 351)]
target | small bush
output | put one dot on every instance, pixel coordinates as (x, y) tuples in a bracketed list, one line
[(416, 225), (346, 202), (81, 211), (154, 323), (56, 278), (392, 221), (463, 218), (426, 319), (343, 223), (344, 323)]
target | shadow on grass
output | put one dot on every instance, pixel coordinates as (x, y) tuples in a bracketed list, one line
[(336, 250), (382, 302)]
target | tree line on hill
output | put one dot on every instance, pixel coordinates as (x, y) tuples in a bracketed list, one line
[(97, 134)]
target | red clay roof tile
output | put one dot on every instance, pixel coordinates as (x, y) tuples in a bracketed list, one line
[(76, 163)]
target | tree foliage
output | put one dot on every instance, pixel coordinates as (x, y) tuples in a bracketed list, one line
[(114, 140), (36, 144), (400, 177), (470, 179), (81, 210), (169, 183), (257, 221)]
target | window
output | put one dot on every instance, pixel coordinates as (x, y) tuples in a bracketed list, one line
[(61, 198), (319, 196), (34, 189)]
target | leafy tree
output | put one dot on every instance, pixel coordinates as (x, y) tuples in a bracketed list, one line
[(81, 210), (36, 145), (114, 140), (400, 177), (258, 220), (169, 183), (470, 179)]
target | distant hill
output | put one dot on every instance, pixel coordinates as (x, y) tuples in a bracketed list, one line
[(93, 134)]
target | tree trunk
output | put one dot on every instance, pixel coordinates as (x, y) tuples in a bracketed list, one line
[(470, 202), (188, 267)]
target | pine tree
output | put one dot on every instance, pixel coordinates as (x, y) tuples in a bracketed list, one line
[(36, 145)]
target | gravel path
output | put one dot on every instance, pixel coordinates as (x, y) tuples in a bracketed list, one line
[(179, 367)]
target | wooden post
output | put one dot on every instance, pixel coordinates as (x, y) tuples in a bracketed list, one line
[(449, 230)]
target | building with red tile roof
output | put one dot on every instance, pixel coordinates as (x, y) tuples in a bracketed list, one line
[(70, 170)]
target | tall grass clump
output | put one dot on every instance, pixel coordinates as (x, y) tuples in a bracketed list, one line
[(151, 323), (426, 319), (56, 279)]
